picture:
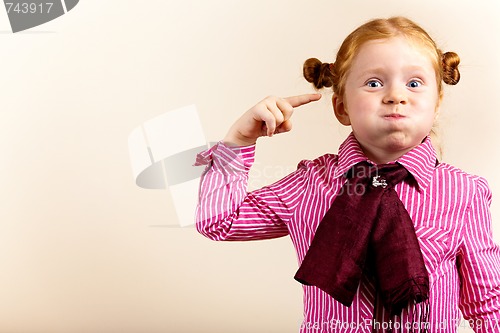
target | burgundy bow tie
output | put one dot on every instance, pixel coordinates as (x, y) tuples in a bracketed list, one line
[(368, 230)]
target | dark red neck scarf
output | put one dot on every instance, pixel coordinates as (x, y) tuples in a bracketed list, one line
[(367, 230)]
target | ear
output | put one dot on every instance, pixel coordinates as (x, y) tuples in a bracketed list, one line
[(340, 110)]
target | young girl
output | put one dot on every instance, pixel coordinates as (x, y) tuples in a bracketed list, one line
[(387, 85)]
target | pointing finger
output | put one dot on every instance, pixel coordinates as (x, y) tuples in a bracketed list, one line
[(302, 99)]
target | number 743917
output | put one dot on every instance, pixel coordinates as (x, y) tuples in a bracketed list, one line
[(29, 7)]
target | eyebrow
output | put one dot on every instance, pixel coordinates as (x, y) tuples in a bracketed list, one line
[(381, 70)]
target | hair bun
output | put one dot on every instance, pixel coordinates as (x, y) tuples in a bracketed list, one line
[(451, 74), (318, 73)]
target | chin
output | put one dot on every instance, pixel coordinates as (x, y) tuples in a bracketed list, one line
[(400, 142)]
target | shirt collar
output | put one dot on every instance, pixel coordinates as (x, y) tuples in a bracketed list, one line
[(420, 161)]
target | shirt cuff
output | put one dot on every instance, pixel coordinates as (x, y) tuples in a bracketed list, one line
[(236, 158)]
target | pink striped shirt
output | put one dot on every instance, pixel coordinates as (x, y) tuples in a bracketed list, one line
[(449, 208)]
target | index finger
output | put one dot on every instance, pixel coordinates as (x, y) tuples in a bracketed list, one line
[(302, 99)]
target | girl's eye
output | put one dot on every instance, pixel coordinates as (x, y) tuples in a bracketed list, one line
[(414, 84), (374, 84)]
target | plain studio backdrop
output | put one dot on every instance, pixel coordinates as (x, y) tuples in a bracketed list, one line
[(82, 248)]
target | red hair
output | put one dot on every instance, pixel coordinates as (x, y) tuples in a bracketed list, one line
[(334, 75)]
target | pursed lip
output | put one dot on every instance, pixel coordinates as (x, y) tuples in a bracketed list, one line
[(394, 116)]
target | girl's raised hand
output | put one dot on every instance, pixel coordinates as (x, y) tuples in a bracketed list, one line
[(269, 116)]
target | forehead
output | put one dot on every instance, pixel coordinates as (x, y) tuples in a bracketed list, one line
[(393, 52)]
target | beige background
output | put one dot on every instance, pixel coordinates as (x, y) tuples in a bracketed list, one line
[(82, 249)]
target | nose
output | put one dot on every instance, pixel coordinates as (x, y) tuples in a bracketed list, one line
[(395, 95)]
